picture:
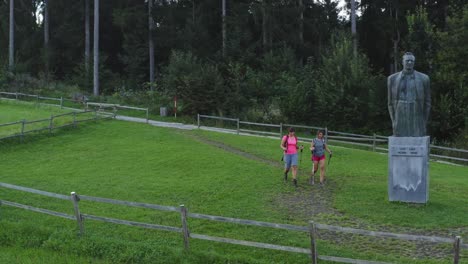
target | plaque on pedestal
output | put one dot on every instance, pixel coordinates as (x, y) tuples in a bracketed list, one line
[(408, 169)]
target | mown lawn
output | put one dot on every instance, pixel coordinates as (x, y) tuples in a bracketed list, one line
[(14, 111), (39, 256), (11, 111), (361, 177), (142, 163)]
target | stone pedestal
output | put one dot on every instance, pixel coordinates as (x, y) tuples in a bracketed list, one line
[(408, 169)]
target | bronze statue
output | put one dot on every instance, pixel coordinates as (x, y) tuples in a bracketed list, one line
[(409, 100)]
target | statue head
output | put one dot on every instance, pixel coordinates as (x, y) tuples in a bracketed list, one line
[(408, 61)]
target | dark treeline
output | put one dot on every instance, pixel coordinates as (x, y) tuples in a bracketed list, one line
[(277, 60)]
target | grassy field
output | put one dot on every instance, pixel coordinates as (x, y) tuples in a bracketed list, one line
[(14, 111), (141, 163), (361, 179)]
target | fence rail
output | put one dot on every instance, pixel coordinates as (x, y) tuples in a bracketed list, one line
[(184, 230), (50, 126), (61, 100), (375, 141)]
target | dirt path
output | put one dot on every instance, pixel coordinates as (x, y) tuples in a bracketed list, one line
[(316, 203)]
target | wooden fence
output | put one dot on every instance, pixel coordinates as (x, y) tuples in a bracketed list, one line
[(38, 99), (374, 142), (184, 230), (82, 101), (117, 106), (50, 123)]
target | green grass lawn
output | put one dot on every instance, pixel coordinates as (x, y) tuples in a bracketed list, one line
[(13, 111), (142, 163), (40, 256), (361, 177)]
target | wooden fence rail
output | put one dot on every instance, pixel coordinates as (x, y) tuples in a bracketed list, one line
[(50, 126), (333, 136), (86, 103), (184, 229)]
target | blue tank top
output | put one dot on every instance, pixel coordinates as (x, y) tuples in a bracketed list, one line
[(319, 149)]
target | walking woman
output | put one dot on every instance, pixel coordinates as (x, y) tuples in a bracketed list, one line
[(289, 146), (318, 147)]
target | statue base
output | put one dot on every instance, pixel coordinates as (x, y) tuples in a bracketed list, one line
[(408, 169)]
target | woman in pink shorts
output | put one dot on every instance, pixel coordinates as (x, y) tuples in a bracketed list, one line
[(318, 147)]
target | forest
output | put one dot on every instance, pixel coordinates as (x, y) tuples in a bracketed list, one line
[(297, 61)]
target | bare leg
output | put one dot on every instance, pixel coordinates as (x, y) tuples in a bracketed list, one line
[(294, 173), (314, 169), (322, 171), (286, 170)]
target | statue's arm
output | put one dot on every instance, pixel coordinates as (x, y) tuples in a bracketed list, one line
[(389, 97), (427, 98)]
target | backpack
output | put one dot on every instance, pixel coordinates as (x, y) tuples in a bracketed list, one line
[(285, 144)]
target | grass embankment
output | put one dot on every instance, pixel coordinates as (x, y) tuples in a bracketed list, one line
[(11, 111), (141, 163), (14, 111)]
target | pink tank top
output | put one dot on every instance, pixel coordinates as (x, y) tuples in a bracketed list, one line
[(292, 142)]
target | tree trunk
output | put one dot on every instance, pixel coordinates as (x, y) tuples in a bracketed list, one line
[(224, 26), (396, 38), (264, 27), (301, 30), (87, 40), (96, 48), (353, 27), (193, 12), (151, 44), (11, 47), (46, 38)]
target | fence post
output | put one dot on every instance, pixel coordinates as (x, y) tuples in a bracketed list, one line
[(37, 98), (374, 142), (147, 115), (326, 134), (51, 123), (75, 199), (23, 123), (16, 95), (95, 113), (238, 126), (198, 120), (74, 119), (281, 130), (456, 250), (313, 244), (61, 102), (185, 231)]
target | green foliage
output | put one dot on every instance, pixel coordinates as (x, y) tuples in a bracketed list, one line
[(198, 85), (261, 76), (345, 90), (450, 114), (421, 40)]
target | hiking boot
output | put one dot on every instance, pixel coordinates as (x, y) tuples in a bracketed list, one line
[(295, 182)]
